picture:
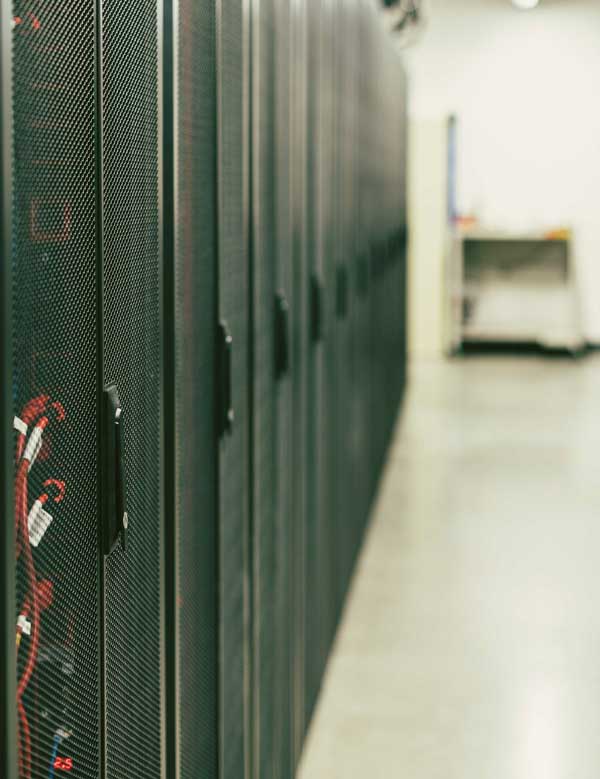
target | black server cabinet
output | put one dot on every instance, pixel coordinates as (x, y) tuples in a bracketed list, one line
[(87, 364), (360, 378), (190, 160), (268, 368), (268, 305), (356, 431), (273, 376), (232, 26), (55, 388), (208, 248), (328, 211), (320, 566), (315, 418), (300, 337), (130, 246), (344, 252), (324, 264), (285, 373), (378, 297)]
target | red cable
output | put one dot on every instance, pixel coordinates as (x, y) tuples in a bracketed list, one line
[(25, 547), (21, 505), (60, 491), (32, 411), (25, 752)]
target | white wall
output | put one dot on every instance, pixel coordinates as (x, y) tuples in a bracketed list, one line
[(428, 220), (525, 86)]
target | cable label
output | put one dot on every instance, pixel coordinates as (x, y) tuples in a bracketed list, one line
[(33, 446), (20, 426), (38, 522)]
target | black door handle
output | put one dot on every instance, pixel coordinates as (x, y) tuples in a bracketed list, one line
[(114, 490), (282, 335), (225, 389)]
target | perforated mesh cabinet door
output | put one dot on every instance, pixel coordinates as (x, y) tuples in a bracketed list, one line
[(318, 234), (367, 207), (326, 248), (54, 331), (329, 214), (300, 341), (285, 517), (195, 675), (132, 268), (311, 573), (358, 291), (344, 246), (360, 421), (232, 76), (274, 317), (268, 659)]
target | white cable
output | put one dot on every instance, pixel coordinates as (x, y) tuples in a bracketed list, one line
[(38, 522), (34, 444), (20, 426)]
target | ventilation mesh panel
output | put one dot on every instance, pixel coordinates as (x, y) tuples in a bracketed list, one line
[(233, 294), (132, 360), (195, 321), (54, 337)]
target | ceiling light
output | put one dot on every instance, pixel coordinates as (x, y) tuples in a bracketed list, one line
[(525, 5)]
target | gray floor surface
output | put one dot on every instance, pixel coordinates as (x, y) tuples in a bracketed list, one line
[(470, 646)]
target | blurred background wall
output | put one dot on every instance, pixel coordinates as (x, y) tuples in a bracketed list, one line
[(524, 89)]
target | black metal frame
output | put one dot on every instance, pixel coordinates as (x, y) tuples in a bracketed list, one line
[(167, 77), (239, 435), (8, 725)]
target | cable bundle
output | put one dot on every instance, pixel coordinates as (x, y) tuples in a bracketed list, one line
[(40, 412)]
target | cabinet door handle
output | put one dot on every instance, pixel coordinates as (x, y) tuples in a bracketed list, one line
[(114, 487), (282, 335), (225, 374)]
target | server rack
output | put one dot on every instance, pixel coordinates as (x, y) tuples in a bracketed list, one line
[(270, 386), (54, 336), (234, 387), (344, 249), (300, 351), (192, 422), (286, 312), (283, 746), (360, 375), (87, 269), (209, 248), (330, 97), (316, 204), (131, 301)]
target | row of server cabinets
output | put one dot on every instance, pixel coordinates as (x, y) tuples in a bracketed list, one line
[(203, 349)]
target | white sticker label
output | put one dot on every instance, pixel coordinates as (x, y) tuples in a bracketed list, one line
[(38, 521), (20, 426), (33, 446)]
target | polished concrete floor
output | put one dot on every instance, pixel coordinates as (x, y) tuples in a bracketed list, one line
[(470, 646)]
